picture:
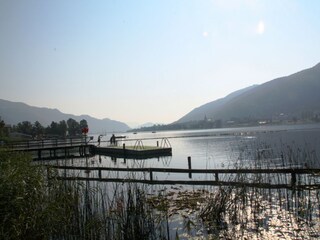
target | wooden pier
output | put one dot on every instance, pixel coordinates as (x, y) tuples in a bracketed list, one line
[(131, 152), (291, 173), (136, 151), (46, 149)]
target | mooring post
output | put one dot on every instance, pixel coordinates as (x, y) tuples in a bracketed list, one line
[(293, 178), (189, 166), (151, 177), (48, 175)]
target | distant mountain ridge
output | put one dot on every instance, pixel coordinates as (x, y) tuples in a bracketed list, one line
[(199, 113), (15, 112), (292, 95)]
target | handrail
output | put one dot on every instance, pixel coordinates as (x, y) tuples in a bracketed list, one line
[(183, 170), (42, 143), (165, 143), (138, 145)]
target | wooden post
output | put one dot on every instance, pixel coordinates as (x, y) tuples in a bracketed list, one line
[(189, 166), (39, 154), (100, 173), (157, 143), (151, 177), (293, 179), (48, 175), (217, 177), (124, 146)]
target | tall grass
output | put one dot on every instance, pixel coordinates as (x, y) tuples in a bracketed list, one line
[(33, 206), (28, 208), (264, 213)]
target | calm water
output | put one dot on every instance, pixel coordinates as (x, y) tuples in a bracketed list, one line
[(272, 146), (275, 146)]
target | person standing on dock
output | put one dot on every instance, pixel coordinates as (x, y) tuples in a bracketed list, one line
[(113, 140), (99, 140)]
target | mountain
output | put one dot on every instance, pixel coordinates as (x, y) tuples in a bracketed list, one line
[(207, 109), (292, 96), (15, 112)]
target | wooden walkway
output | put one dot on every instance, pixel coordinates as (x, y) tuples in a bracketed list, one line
[(46, 149), (53, 148), (136, 151), (131, 152), (291, 172)]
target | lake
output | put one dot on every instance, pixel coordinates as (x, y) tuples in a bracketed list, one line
[(260, 213), (276, 146)]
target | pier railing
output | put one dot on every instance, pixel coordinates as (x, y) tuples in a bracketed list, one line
[(292, 175), (47, 143)]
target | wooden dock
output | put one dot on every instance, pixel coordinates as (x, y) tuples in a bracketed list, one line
[(131, 152), (46, 149), (291, 173), (136, 151)]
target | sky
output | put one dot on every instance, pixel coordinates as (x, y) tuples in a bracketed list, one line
[(149, 61)]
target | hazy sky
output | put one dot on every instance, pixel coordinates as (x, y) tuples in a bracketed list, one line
[(152, 60)]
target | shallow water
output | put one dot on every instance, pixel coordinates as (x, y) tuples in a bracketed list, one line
[(273, 146)]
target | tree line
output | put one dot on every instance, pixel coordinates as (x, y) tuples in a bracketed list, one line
[(62, 128)]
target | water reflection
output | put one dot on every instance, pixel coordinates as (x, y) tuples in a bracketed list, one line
[(235, 211)]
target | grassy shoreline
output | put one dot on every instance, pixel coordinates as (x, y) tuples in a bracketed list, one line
[(35, 207)]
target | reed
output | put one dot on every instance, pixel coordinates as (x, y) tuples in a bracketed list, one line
[(251, 212), (35, 207)]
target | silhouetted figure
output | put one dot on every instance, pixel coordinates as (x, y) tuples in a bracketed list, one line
[(99, 140), (113, 140)]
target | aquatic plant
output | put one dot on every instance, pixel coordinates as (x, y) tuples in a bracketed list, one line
[(235, 212)]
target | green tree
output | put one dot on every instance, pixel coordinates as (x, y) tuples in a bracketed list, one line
[(83, 124), (52, 129), (73, 127), (37, 129), (62, 128), (24, 127), (2, 128)]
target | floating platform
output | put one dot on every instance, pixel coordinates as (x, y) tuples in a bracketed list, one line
[(133, 152)]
